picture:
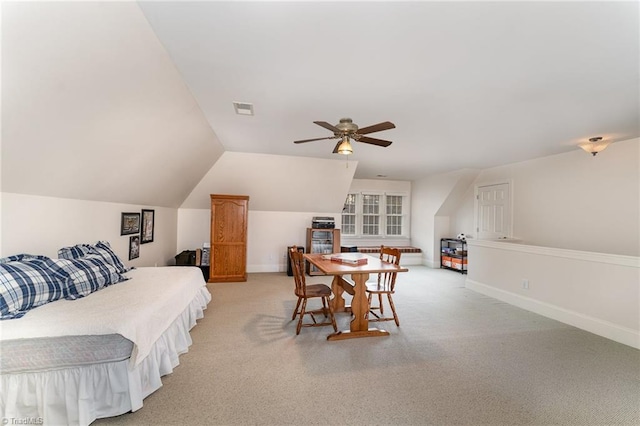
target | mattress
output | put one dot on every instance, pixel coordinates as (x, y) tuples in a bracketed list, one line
[(52, 353), (139, 309), (71, 362)]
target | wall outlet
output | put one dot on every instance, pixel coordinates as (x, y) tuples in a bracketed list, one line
[(525, 284)]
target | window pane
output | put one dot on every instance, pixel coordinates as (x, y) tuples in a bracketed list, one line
[(348, 224), (370, 214), (349, 215), (350, 204), (370, 204), (394, 225), (370, 225), (394, 214), (394, 204)]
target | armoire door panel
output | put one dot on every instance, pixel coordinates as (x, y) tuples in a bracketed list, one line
[(229, 217)]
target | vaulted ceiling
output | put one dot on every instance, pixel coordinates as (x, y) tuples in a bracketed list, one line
[(132, 101), (468, 84)]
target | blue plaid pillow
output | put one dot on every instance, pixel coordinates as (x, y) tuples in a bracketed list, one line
[(27, 284), (19, 257), (74, 252), (86, 275), (103, 248)]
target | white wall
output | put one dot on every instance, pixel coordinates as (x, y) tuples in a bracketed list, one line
[(42, 225), (572, 200), (433, 199), (285, 192), (95, 109), (593, 291), (269, 235), (579, 219), (276, 182), (271, 232)]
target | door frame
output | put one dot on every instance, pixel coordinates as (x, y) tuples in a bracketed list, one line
[(476, 187)]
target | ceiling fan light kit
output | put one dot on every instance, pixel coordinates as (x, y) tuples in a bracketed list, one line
[(346, 129), (345, 147)]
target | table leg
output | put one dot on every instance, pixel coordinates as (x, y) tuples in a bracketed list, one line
[(338, 304), (359, 305)]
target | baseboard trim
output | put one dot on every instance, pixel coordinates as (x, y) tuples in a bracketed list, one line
[(593, 325), (254, 269)]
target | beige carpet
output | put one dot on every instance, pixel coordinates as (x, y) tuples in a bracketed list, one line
[(458, 358)]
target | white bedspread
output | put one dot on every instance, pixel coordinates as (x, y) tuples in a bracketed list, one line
[(140, 309)]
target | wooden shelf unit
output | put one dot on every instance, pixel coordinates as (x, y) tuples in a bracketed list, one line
[(322, 240)]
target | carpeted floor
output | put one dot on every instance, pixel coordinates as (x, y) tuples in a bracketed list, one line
[(458, 358)]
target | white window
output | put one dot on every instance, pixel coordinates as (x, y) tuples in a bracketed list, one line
[(394, 214), (370, 214), (374, 215), (349, 215)]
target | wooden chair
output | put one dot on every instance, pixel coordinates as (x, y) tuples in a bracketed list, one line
[(305, 292), (385, 284)]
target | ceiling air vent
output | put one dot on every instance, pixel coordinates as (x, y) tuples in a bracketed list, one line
[(243, 108)]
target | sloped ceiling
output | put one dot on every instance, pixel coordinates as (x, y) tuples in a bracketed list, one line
[(469, 84), (93, 108), (131, 102), (277, 182)]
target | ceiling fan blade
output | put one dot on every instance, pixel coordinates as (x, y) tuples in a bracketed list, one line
[(328, 126), (315, 139), (374, 141), (377, 128), (335, 150)]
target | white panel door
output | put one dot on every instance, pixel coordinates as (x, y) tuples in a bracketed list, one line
[(494, 211)]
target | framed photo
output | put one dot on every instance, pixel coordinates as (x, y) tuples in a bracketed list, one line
[(147, 226), (134, 247), (130, 224)]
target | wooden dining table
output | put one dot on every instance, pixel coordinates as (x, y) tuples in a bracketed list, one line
[(359, 326)]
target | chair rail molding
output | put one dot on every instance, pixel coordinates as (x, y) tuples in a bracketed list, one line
[(613, 259)]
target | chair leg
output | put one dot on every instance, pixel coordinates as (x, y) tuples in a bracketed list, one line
[(393, 309), (333, 318), (369, 298), (302, 311), (324, 307), (295, 311), (380, 303)]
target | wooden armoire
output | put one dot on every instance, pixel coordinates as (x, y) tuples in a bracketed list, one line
[(229, 217)]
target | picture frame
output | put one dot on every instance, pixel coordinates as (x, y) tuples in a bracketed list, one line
[(134, 247), (148, 223), (130, 223)]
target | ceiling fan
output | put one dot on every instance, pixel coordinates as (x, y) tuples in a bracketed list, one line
[(346, 129)]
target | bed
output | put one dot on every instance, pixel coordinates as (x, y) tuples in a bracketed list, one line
[(73, 361)]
